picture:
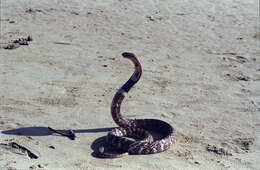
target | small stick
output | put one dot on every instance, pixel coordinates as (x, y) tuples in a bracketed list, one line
[(70, 133), (22, 148)]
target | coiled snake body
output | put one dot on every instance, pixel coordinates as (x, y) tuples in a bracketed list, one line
[(137, 128)]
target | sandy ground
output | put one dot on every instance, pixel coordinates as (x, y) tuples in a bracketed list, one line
[(201, 73)]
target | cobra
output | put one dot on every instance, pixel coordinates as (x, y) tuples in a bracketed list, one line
[(135, 128)]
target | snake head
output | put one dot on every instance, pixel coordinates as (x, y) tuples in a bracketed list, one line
[(128, 55)]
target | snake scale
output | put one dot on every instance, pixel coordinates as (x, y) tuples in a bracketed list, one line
[(135, 128)]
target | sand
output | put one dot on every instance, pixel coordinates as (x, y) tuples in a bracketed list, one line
[(201, 74)]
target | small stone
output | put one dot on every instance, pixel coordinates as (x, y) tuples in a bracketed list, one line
[(29, 38), (112, 58), (180, 14), (40, 165), (244, 78), (12, 46), (245, 90), (33, 167), (52, 147), (75, 13), (29, 10), (101, 149), (151, 18), (23, 42)]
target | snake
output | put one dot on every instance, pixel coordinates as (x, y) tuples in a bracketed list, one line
[(139, 129)]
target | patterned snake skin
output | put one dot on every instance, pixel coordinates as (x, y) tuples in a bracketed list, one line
[(135, 128)]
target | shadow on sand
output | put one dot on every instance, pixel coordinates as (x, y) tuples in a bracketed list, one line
[(44, 131)]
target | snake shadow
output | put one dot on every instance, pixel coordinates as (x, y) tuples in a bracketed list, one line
[(44, 131)]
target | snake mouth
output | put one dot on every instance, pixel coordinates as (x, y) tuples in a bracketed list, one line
[(127, 55)]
